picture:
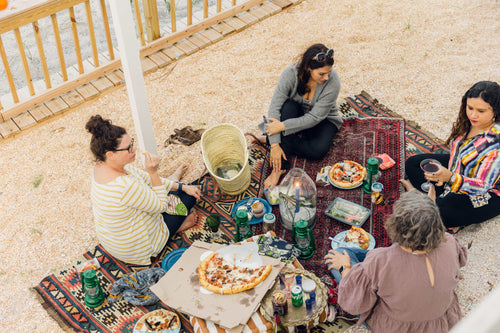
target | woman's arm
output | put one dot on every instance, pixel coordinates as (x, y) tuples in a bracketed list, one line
[(480, 167), (140, 195), (282, 92), (324, 106)]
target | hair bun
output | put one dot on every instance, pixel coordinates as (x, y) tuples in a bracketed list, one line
[(98, 126)]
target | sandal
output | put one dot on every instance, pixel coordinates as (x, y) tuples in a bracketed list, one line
[(186, 136)]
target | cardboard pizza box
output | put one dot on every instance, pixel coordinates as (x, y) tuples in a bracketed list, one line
[(179, 288)]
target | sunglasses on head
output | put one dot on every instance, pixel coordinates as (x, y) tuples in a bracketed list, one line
[(322, 56), (129, 148)]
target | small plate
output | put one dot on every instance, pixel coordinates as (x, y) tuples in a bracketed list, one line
[(171, 258), (267, 209), (338, 241), (344, 188)]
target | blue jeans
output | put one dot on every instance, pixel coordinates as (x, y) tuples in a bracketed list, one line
[(357, 255)]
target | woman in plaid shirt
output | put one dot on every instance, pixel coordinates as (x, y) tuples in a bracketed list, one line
[(469, 189)]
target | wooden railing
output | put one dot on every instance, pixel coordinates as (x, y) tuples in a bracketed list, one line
[(79, 33)]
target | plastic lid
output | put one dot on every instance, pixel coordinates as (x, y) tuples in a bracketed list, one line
[(377, 187), (301, 224), (308, 285), (242, 214), (269, 218)]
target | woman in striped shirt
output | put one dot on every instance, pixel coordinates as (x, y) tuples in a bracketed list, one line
[(469, 189), (130, 205)]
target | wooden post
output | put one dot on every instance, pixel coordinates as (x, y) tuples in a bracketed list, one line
[(151, 20), (132, 69)]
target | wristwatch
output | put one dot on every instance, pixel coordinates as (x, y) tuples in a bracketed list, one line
[(180, 186), (342, 268)]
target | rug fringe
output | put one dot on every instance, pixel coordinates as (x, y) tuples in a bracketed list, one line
[(411, 123), (65, 326)]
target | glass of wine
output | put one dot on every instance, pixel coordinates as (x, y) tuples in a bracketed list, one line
[(288, 273), (429, 165), (213, 222)]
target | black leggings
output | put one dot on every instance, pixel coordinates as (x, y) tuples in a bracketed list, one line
[(174, 222), (312, 143), (455, 209)]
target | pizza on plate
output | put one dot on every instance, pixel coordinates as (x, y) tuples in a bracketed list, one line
[(218, 275), (158, 320), (347, 174), (358, 236)]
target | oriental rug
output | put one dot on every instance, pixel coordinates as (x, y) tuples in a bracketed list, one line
[(369, 128)]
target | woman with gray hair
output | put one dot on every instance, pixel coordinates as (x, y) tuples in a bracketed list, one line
[(408, 286)]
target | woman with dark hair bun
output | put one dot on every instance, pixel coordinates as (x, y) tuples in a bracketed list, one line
[(303, 113), (136, 212), (468, 180)]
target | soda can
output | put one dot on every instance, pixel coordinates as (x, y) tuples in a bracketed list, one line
[(297, 299)]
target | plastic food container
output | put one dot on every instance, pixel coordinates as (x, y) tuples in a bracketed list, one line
[(348, 212), (272, 195)]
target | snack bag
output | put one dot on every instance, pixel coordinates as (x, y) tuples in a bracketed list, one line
[(322, 176), (385, 161)]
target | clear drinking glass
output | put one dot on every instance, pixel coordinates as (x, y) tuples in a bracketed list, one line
[(288, 274), (429, 165), (213, 222)]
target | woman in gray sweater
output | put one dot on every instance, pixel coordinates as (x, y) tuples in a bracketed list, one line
[(303, 114)]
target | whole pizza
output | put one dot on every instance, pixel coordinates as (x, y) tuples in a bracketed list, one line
[(347, 174), (218, 275)]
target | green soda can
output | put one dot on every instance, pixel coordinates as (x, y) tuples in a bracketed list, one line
[(297, 299)]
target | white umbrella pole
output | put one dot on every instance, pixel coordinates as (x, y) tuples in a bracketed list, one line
[(128, 45)]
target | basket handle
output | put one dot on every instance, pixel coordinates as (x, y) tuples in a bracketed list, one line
[(259, 145)]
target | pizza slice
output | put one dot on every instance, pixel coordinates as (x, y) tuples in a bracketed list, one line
[(358, 236), (219, 276), (158, 320)]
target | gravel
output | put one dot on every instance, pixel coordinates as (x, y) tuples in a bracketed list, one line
[(416, 57)]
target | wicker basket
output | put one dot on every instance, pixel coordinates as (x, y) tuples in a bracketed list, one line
[(221, 143)]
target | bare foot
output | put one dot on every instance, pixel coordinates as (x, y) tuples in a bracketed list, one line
[(189, 222), (406, 184), (258, 139), (274, 178), (454, 230), (177, 175), (432, 193)]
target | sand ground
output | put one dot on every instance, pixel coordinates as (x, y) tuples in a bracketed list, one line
[(416, 57)]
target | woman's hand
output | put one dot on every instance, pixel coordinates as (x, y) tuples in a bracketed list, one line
[(274, 127), (441, 176), (151, 162), (192, 190), (335, 259), (276, 154)]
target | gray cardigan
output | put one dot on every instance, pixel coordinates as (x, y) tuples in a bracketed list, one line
[(324, 102)]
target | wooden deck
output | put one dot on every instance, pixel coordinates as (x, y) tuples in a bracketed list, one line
[(159, 59)]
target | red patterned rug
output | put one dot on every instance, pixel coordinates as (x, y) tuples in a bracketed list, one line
[(61, 293)]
